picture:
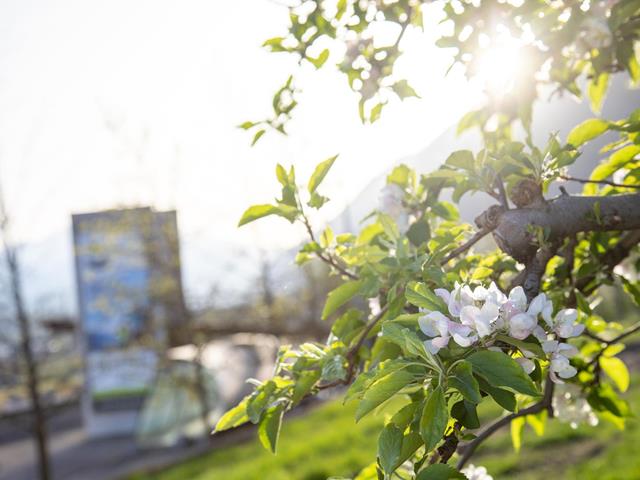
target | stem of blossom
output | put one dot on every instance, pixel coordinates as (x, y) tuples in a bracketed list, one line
[(544, 404)]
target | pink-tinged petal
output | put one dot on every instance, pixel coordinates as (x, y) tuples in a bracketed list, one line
[(496, 294), (554, 378), (443, 294), (521, 326), (440, 342)]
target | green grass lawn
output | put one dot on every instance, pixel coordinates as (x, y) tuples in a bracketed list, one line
[(327, 441)]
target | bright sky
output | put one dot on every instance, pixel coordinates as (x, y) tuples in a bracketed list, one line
[(124, 103)]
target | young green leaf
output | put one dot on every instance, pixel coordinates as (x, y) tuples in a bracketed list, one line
[(259, 211), (381, 390), (587, 130), (234, 417), (339, 296), (617, 371), (500, 370), (269, 428), (319, 173), (434, 419)]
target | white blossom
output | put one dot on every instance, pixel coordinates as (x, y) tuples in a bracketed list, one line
[(559, 354), (564, 323), (570, 406), (480, 319), (476, 473), (441, 329), (390, 203)]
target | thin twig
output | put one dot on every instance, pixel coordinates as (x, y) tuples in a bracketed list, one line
[(629, 331), (604, 182), (466, 246), (327, 258), (544, 404), (502, 192)]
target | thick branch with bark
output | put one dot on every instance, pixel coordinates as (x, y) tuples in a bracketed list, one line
[(563, 217)]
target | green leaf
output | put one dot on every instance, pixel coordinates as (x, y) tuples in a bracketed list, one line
[(401, 175), (389, 447), (461, 159), (257, 136), (440, 471), (234, 417), (418, 294), (465, 383), (405, 416), (259, 401), (319, 173), (466, 413), (522, 345), (434, 419), (504, 398), (339, 296), (304, 384), (246, 125), (596, 90), (317, 201), (404, 90), (517, 425), (259, 211), (481, 273), (419, 232), (269, 428), (381, 390), (321, 59), (587, 130), (500, 370), (617, 371)]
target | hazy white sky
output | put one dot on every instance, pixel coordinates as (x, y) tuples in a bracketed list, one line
[(132, 102)]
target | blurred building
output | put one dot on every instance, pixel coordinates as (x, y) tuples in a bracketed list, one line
[(131, 307)]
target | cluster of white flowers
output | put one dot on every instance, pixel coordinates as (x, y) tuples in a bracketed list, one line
[(476, 473), (570, 406), (390, 203), (475, 315)]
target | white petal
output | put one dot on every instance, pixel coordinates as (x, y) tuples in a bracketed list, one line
[(430, 323), (468, 315), (518, 298), (431, 347), (537, 304), (443, 294), (527, 365), (549, 346)]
